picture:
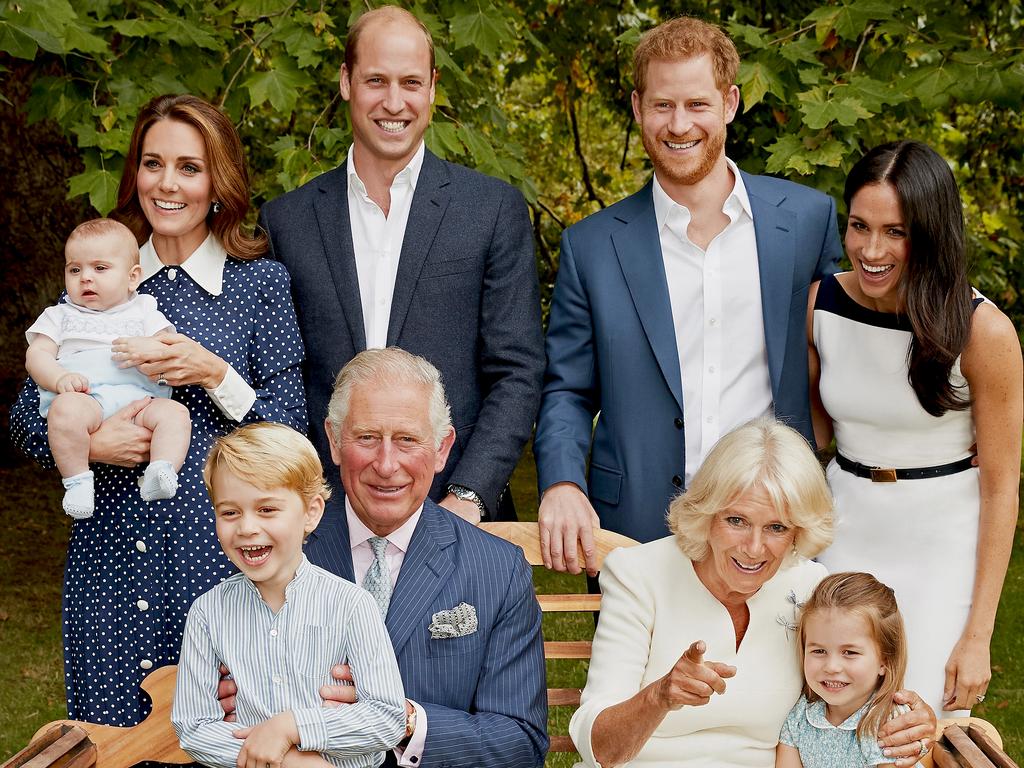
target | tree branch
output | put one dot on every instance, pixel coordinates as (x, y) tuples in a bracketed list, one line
[(578, 147)]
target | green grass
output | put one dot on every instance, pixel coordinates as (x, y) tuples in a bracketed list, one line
[(33, 537)]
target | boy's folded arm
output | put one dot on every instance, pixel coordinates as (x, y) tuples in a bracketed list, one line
[(196, 715), (376, 721)]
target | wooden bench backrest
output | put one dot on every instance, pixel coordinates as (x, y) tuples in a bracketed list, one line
[(527, 536)]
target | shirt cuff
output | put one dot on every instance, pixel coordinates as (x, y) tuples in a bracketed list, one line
[(311, 723), (411, 755), (233, 396)]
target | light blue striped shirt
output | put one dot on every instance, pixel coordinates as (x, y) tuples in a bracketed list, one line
[(280, 660)]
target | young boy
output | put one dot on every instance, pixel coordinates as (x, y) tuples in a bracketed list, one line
[(69, 357), (281, 623)]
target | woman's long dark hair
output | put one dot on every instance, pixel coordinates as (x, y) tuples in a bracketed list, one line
[(935, 292), (230, 178)]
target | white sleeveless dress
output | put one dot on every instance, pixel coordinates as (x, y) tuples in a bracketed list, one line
[(917, 536)]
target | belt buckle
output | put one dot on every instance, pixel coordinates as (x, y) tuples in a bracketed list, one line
[(883, 475)]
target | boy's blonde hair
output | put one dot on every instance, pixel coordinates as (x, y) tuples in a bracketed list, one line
[(268, 455), (863, 595), (99, 228)]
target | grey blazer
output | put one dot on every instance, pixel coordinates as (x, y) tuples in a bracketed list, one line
[(466, 298)]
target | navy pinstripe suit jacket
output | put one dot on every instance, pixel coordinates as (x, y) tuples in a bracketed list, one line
[(483, 694)]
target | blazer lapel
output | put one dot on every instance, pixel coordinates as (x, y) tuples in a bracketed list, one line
[(775, 233), (638, 248), (429, 203), (331, 207), (427, 566)]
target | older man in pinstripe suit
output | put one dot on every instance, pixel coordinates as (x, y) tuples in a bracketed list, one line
[(458, 603)]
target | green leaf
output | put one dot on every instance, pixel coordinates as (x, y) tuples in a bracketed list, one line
[(829, 154), (115, 140), (254, 9), (782, 153), (16, 41), (756, 79), (182, 32), (445, 63), (481, 150), (100, 185), (137, 27), (279, 85), (484, 31), (802, 49), (301, 43), (51, 16), (930, 85), (77, 38), (443, 139), (820, 110), (849, 21), (873, 94), (753, 36)]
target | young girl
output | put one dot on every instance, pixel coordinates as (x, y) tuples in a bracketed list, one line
[(854, 656)]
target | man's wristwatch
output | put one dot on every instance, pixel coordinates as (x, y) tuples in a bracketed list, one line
[(463, 493)]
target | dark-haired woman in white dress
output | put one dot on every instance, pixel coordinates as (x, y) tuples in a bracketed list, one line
[(910, 369)]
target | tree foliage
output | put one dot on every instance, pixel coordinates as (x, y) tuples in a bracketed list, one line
[(537, 92)]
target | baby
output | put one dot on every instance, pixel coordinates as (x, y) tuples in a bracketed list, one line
[(69, 358)]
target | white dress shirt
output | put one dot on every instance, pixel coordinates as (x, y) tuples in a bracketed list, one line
[(719, 325), (362, 558), (233, 396), (377, 241)]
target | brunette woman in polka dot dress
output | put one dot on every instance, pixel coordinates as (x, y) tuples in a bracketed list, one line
[(134, 568)]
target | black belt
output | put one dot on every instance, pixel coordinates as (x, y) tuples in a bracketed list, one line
[(891, 475)]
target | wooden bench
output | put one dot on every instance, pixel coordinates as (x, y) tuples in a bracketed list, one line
[(73, 744), (967, 742)]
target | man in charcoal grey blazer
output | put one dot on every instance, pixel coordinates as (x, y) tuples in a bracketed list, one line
[(465, 293)]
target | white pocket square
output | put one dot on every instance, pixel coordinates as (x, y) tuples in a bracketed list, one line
[(455, 622)]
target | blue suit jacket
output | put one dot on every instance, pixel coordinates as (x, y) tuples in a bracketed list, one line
[(612, 349), (484, 694), (465, 298)]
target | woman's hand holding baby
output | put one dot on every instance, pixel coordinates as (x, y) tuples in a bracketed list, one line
[(267, 743), (119, 440), (172, 357)]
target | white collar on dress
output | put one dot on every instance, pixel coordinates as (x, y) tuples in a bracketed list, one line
[(205, 265), (817, 717)]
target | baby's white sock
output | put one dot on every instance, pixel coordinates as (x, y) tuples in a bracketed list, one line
[(159, 481), (80, 496)]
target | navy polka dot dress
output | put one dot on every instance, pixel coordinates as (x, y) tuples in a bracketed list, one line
[(135, 567)]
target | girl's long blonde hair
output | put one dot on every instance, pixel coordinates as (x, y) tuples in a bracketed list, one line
[(865, 596)]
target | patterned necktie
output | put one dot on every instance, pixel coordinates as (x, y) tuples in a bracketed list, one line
[(378, 577)]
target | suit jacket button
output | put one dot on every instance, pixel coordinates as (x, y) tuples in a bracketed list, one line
[(678, 422), (677, 481)]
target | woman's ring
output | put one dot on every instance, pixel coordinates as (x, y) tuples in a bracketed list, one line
[(162, 382), (924, 748), (980, 697)]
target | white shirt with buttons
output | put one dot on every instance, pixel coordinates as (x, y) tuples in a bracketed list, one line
[(718, 321), (377, 241)]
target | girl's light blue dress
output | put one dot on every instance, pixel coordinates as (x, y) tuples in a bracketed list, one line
[(823, 745)]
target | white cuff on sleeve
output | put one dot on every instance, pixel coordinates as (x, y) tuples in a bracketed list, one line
[(233, 395)]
